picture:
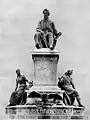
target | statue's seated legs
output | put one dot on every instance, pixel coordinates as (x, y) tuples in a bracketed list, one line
[(13, 98), (23, 98), (76, 95), (44, 41), (72, 99), (66, 99), (39, 41), (69, 99), (18, 98), (51, 40)]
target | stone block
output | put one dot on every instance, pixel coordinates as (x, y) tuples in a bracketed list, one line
[(78, 111), (45, 66)]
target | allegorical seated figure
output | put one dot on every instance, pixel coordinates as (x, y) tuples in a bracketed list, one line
[(46, 36), (18, 97), (66, 84)]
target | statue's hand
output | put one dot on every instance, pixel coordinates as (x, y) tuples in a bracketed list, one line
[(30, 84), (42, 32), (39, 30), (59, 34), (15, 89)]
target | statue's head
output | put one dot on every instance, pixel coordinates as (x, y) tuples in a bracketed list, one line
[(46, 13), (18, 71), (69, 72)]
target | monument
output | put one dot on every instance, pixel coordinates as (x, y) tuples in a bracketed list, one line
[(45, 98)]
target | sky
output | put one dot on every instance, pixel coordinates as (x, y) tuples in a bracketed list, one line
[(18, 21)]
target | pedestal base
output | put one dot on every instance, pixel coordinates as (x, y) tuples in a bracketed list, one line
[(45, 83), (22, 112)]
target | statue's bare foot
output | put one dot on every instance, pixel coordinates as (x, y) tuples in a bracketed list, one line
[(10, 105), (51, 48), (37, 46), (59, 34), (81, 105)]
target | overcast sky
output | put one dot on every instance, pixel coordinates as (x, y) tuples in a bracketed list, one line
[(18, 20)]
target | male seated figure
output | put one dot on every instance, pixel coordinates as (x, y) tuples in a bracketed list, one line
[(66, 84), (46, 36)]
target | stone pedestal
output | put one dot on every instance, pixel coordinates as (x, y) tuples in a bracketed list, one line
[(45, 67), (45, 83), (45, 71)]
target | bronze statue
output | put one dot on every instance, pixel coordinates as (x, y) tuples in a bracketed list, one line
[(19, 95), (66, 84), (46, 36)]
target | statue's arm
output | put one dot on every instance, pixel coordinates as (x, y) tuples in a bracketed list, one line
[(25, 79), (54, 29), (72, 84), (61, 81), (16, 85), (30, 83), (39, 29), (56, 33)]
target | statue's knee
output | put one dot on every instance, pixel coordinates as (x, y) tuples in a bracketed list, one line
[(14, 92), (37, 35), (76, 93), (50, 33)]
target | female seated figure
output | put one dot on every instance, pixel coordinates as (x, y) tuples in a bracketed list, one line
[(18, 97)]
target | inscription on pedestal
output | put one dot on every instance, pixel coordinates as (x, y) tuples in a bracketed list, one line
[(45, 72)]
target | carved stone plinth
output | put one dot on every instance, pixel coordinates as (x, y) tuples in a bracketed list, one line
[(45, 66)]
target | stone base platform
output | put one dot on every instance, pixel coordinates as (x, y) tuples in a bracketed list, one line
[(21, 112), (45, 89), (48, 90)]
